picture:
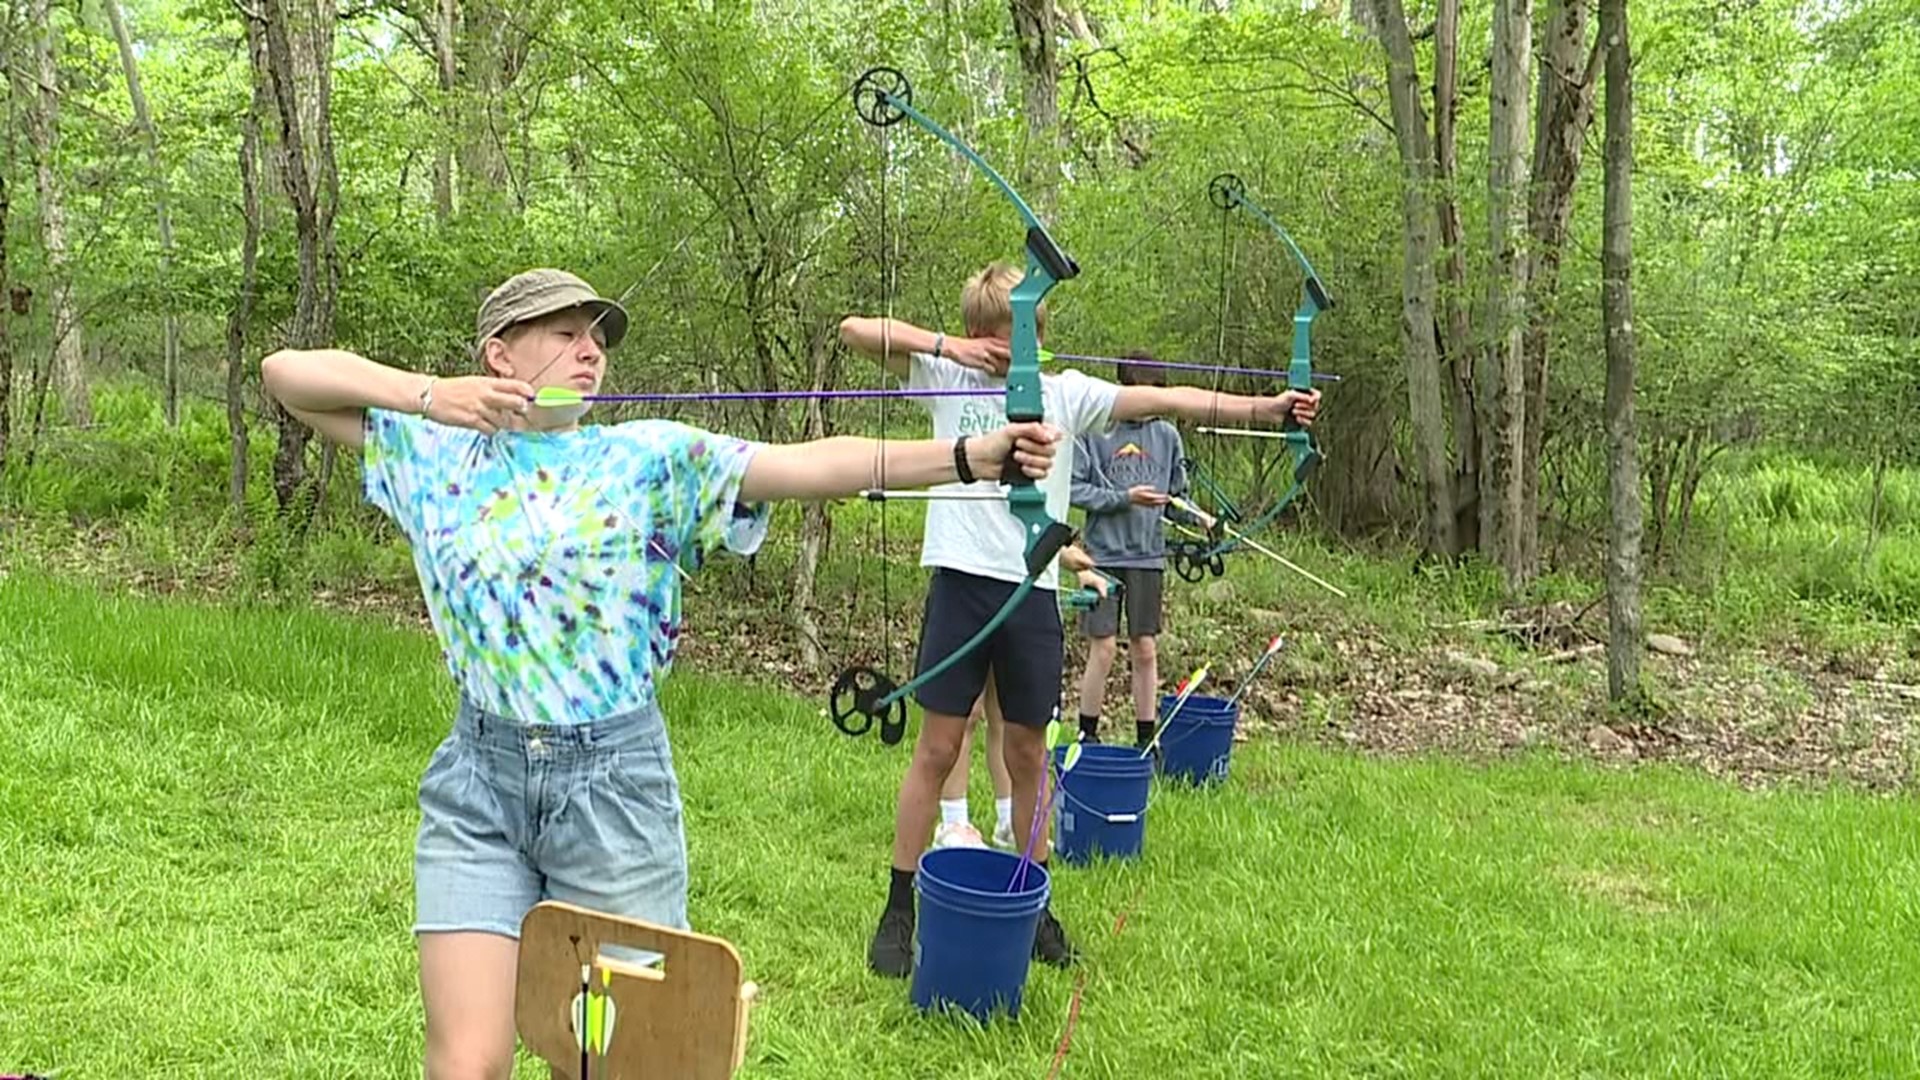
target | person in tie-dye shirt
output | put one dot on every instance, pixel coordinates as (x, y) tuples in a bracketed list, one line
[(550, 555)]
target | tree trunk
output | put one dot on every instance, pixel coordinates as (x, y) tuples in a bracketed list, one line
[(1033, 32), (446, 24), (1501, 386), (43, 135), (483, 61), (1662, 468), (1625, 640), (242, 312), (1568, 71), (170, 361), (6, 316), (301, 82), (1455, 332), (1417, 283), (1694, 471), (1873, 509)]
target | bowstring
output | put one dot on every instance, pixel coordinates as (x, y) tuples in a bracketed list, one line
[(1216, 491), (889, 285)]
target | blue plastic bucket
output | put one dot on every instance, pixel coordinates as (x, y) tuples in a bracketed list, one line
[(972, 938), (1198, 742), (1101, 807)]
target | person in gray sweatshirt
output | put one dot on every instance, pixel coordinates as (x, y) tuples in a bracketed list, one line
[(1124, 478)]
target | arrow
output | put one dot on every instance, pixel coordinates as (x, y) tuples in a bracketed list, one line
[(594, 1016), (1184, 690), (560, 397), (1124, 361), (1279, 641), (1055, 736), (1262, 549), (1256, 433)]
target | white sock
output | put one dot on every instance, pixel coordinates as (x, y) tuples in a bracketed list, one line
[(1003, 811), (953, 811)]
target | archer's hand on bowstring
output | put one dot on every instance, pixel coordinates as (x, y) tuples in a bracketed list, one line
[(1033, 446), (480, 402), (988, 354)]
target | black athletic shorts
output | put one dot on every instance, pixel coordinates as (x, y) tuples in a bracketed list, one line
[(1142, 589), (1026, 653)]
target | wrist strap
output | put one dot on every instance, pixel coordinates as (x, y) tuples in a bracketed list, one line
[(939, 342), (426, 394), (960, 460)]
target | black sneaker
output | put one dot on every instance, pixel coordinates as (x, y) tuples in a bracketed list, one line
[(892, 950), (1050, 944), (1159, 755), (1089, 736)]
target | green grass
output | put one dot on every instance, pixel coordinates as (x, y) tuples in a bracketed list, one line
[(206, 822)]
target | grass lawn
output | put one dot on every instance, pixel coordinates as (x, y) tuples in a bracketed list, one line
[(206, 826)]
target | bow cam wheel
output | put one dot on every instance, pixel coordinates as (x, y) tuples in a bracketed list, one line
[(855, 704), (878, 95)]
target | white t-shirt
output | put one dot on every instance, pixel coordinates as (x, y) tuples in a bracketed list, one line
[(980, 536)]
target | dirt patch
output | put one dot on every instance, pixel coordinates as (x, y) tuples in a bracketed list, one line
[(1527, 683), (1623, 888)]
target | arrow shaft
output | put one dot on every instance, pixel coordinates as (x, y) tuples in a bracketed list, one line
[(1283, 561), (1253, 433), (1179, 366), (878, 495)]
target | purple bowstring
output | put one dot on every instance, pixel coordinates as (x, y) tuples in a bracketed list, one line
[(759, 395)]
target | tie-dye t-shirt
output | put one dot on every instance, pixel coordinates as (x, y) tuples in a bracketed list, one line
[(547, 558)]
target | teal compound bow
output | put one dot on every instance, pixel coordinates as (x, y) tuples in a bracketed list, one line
[(863, 696), (1194, 560)]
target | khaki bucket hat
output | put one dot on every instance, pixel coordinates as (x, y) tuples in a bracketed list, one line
[(533, 293)]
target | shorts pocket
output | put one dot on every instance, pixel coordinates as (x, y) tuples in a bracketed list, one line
[(642, 776)]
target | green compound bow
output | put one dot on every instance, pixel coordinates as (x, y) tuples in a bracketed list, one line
[(863, 696)]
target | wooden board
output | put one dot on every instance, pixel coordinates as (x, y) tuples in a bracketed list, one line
[(686, 1020)]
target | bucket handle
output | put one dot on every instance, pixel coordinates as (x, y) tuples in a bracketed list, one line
[(1190, 730)]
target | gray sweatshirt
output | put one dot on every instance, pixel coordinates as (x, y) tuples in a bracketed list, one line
[(1119, 534)]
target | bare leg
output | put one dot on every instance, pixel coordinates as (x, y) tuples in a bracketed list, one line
[(934, 754), (955, 785), (1093, 681), (1144, 655), (997, 744), (1026, 750), (467, 985)]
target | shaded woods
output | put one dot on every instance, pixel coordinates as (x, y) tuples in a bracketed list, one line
[(1535, 354)]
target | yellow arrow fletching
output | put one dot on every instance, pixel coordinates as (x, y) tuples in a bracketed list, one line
[(557, 396), (1073, 755)]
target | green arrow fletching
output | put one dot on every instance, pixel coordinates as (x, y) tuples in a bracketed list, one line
[(552, 397)]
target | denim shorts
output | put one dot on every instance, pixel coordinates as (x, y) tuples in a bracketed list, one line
[(512, 814)]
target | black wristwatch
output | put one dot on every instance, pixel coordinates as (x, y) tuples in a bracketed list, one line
[(960, 460)]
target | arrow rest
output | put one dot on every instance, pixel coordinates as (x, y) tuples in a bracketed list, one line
[(858, 695)]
